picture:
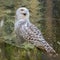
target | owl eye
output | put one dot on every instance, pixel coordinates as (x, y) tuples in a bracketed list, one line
[(22, 9)]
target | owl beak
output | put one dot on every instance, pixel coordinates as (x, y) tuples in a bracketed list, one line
[(24, 14)]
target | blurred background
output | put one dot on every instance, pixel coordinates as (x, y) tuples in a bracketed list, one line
[(45, 14)]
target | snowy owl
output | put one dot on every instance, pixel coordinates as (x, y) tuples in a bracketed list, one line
[(29, 32)]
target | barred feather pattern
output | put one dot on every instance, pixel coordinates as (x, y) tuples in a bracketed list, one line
[(32, 34)]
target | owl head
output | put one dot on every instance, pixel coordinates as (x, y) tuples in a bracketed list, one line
[(22, 13)]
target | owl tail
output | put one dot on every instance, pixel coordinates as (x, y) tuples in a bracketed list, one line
[(50, 51), (47, 49)]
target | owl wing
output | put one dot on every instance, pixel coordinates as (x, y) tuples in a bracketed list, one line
[(34, 36)]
